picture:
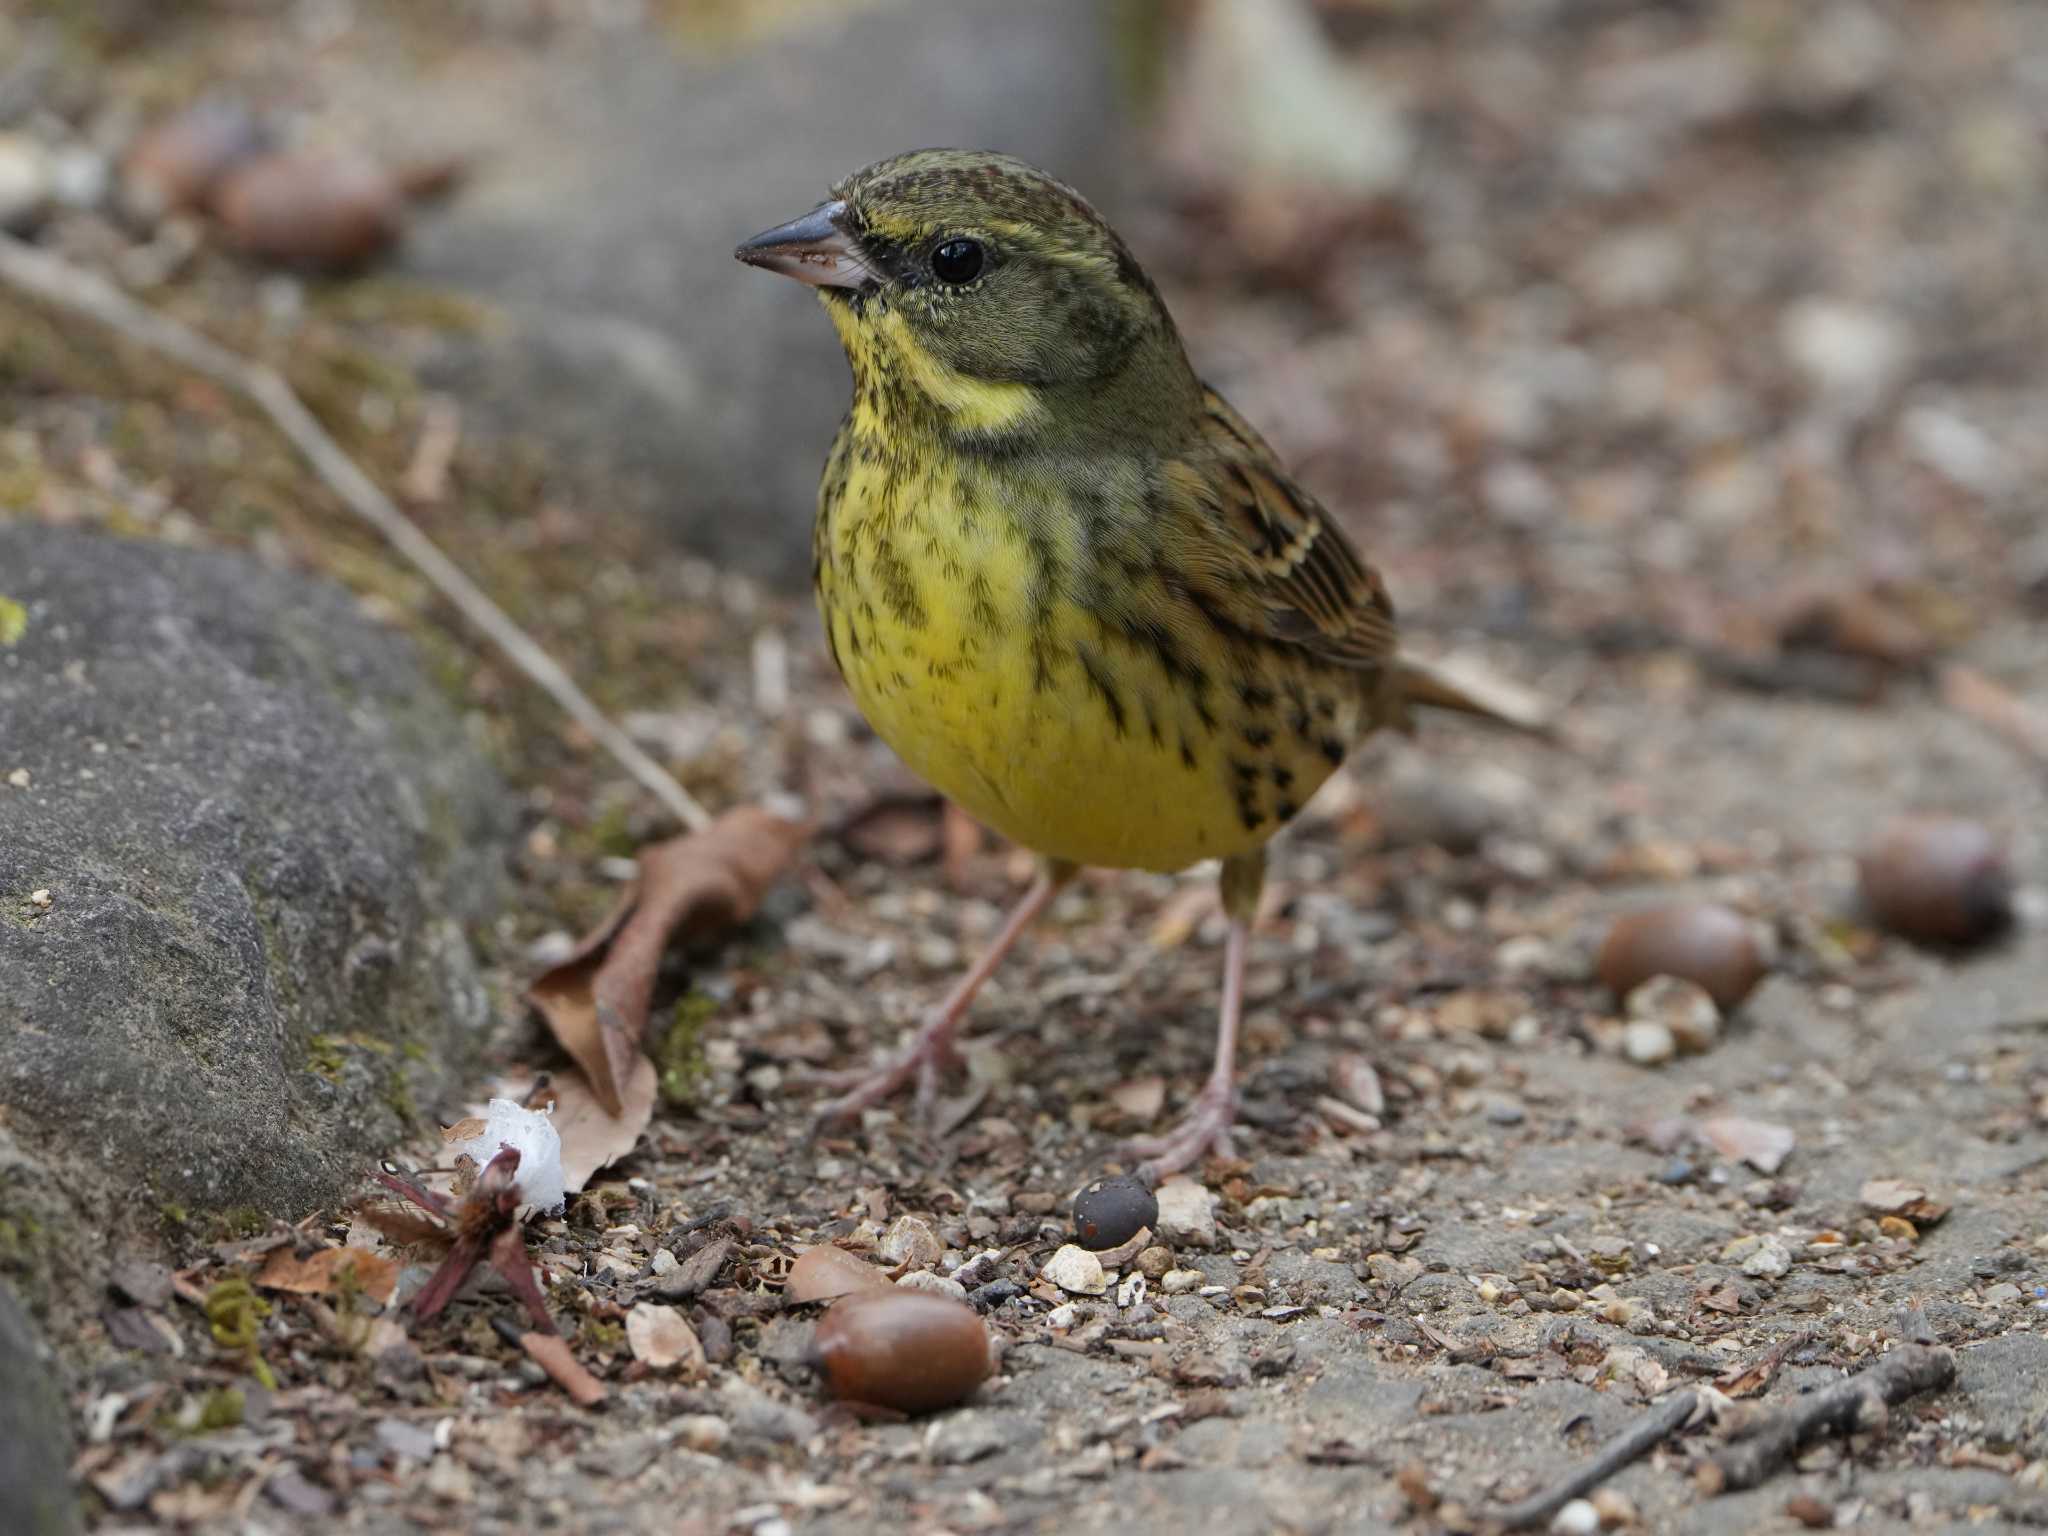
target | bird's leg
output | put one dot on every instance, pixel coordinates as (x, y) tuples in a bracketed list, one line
[(1206, 1126), (931, 1048)]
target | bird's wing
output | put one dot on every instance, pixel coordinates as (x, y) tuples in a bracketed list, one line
[(1261, 555)]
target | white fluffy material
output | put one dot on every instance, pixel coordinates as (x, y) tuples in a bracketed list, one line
[(538, 1143)]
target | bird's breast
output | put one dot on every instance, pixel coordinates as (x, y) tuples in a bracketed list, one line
[(1049, 679)]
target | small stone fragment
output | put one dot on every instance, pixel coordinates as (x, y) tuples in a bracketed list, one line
[(1178, 1282), (174, 164), (1682, 1007), (911, 1240), (1938, 880), (937, 1285), (1759, 1143), (1076, 1271), (1708, 945), (1769, 1260), (1903, 1198), (1647, 1043), (1578, 1518), (902, 1349), (1155, 1261), (1814, 1514), (1616, 1509), (1187, 1214), (25, 181), (705, 1432), (2004, 1294), (1110, 1212)]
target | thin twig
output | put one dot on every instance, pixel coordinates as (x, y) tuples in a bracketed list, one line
[(1861, 1403), (56, 281), (1639, 1439), (1996, 708)]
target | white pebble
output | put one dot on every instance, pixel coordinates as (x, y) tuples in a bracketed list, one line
[(1578, 1518), (1076, 1271)]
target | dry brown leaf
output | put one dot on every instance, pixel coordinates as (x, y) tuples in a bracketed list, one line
[(550, 1351), (596, 1001), (593, 1138), (466, 1129), (320, 1273), (663, 1339)]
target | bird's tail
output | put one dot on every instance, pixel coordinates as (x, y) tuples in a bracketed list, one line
[(1489, 697)]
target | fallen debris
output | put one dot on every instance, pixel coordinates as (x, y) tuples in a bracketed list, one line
[(1639, 1439), (1861, 1404)]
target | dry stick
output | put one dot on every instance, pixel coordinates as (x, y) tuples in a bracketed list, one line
[(1640, 1438), (1862, 1402), (1996, 708), (58, 282)]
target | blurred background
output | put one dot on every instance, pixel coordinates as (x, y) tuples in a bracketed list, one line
[(1566, 301)]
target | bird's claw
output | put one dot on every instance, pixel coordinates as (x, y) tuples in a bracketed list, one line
[(923, 1060), (1203, 1131)]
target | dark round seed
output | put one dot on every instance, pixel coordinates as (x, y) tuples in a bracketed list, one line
[(907, 1350), (1938, 880), (1111, 1212), (1707, 945)]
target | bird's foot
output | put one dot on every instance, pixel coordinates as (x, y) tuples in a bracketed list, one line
[(927, 1056), (1204, 1130)]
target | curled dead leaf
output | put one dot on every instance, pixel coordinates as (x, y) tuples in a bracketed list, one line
[(596, 1001), (326, 1270)]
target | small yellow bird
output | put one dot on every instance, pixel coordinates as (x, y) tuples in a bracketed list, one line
[(1061, 576)]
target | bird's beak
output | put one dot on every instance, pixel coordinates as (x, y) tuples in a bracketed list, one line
[(814, 249)]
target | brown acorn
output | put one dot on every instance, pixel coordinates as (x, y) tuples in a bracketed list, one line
[(1698, 942), (1938, 880), (320, 212), (908, 1350)]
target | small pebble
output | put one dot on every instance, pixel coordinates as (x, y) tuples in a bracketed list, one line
[(1187, 1213), (174, 164), (1076, 1271), (1938, 880), (24, 180), (1702, 943), (1682, 1007), (1647, 1043), (937, 1285), (1578, 1518), (911, 1240), (703, 1431), (1112, 1211), (1770, 1260), (1178, 1282)]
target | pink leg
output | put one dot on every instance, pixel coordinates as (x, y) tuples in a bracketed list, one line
[(1206, 1126), (931, 1048)]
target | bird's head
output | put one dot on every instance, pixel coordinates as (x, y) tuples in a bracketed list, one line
[(979, 281)]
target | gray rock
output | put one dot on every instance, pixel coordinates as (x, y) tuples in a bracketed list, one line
[(619, 175), (35, 1487), (239, 838)]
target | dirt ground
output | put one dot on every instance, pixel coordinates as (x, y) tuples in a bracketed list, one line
[(1690, 379)]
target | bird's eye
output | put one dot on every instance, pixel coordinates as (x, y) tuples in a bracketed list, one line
[(957, 261)]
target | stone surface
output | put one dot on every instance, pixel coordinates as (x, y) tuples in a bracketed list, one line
[(35, 1492), (620, 172), (261, 833)]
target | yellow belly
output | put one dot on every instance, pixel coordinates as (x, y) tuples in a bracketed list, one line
[(1045, 720)]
